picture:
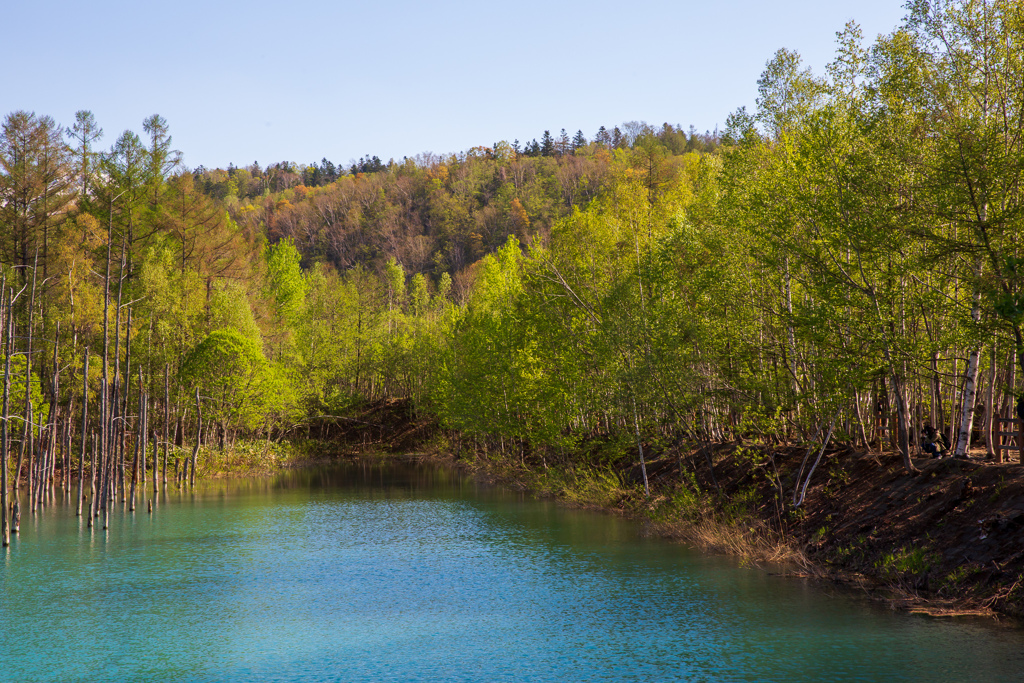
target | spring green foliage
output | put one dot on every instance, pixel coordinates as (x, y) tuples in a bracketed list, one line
[(818, 267), (16, 402), (832, 261), (231, 372), (287, 288)]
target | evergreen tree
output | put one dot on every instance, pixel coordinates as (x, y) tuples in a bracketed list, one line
[(547, 145), (563, 146), (85, 132), (617, 140)]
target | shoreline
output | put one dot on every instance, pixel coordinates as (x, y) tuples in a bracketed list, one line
[(946, 542), (762, 548)]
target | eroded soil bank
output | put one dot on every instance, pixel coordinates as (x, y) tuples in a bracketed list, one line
[(946, 541)]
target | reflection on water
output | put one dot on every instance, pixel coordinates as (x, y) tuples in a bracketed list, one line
[(408, 572)]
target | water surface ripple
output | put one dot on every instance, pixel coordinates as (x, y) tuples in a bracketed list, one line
[(409, 573)]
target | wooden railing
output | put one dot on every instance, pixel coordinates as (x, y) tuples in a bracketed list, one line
[(1009, 436)]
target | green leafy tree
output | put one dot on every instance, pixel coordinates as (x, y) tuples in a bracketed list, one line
[(286, 290), (285, 283), (234, 379)]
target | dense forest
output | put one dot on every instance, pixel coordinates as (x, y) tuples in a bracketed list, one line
[(843, 264)]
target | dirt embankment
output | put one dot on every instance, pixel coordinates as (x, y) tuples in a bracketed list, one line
[(948, 540)]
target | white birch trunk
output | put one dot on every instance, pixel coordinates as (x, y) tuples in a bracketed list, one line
[(963, 441)]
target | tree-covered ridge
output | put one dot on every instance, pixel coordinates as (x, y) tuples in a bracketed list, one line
[(843, 264), (434, 214), (367, 256)]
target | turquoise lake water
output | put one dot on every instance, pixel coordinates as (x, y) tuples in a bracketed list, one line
[(411, 573)]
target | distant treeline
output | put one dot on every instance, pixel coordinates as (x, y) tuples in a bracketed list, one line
[(253, 181)]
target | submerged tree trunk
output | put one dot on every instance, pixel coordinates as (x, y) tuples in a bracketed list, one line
[(135, 461), (93, 512), (16, 516), (128, 381), (26, 436), (39, 470), (199, 435), (69, 436), (55, 418), (8, 338), (123, 395), (85, 418), (156, 450), (143, 418), (167, 415), (28, 444)]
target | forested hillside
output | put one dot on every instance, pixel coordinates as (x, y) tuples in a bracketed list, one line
[(844, 264)]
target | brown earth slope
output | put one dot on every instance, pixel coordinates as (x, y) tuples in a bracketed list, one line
[(948, 540)]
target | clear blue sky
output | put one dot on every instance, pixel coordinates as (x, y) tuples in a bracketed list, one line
[(267, 81)]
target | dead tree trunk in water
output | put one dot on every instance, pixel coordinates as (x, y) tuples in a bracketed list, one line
[(128, 381), (38, 470), (143, 419), (85, 418), (8, 338), (179, 428), (105, 418), (156, 449), (167, 413), (119, 425), (135, 460), (29, 439), (93, 511), (26, 435), (69, 436), (199, 434), (16, 507), (49, 444)]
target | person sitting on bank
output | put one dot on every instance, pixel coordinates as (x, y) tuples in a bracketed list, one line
[(932, 442)]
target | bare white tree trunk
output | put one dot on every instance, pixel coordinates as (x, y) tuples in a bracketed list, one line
[(991, 415), (85, 418), (640, 448), (8, 337), (963, 441)]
